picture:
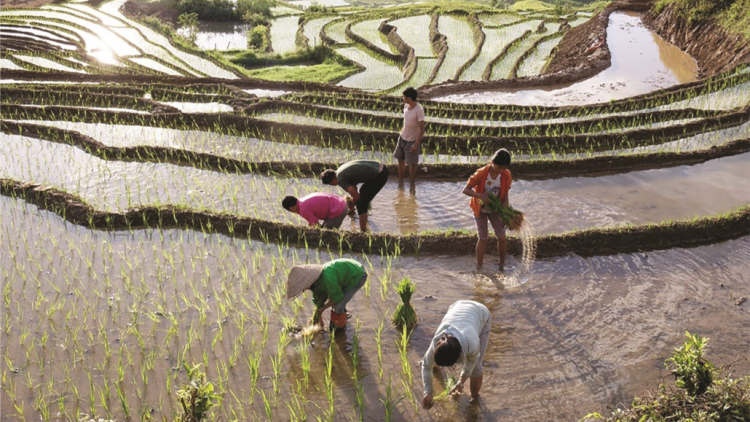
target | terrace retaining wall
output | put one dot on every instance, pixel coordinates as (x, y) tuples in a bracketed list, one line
[(592, 242)]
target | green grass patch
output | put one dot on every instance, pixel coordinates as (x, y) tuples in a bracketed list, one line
[(320, 64), (733, 15), (322, 73), (534, 5), (702, 393)]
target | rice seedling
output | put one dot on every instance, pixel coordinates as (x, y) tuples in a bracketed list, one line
[(405, 316)]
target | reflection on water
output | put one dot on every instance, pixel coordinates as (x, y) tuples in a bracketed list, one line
[(222, 35), (641, 62), (407, 210), (683, 67)]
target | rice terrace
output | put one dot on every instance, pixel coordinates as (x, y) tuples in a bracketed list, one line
[(565, 184)]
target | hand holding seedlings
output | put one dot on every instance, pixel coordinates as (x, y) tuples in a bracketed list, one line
[(494, 178)]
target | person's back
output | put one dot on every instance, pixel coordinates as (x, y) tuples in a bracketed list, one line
[(466, 316), (321, 206), (355, 172)]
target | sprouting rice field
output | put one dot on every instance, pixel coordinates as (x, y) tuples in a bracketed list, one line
[(141, 228)]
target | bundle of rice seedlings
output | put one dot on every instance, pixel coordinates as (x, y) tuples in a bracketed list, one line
[(450, 382), (404, 316), (512, 218)]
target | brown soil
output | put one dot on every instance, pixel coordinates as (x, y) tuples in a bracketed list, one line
[(715, 49), (570, 54), (591, 242), (524, 170)]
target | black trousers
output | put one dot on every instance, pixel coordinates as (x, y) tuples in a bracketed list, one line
[(369, 189)]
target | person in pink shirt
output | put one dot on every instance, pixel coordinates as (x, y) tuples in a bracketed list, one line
[(324, 209)]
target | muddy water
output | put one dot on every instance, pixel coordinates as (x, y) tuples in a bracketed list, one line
[(222, 35), (641, 62), (553, 206), (581, 334)]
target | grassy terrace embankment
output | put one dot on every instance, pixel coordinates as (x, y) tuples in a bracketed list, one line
[(591, 242), (522, 170), (380, 140)]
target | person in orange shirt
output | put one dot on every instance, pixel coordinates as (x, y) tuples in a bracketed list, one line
[(493, 178)]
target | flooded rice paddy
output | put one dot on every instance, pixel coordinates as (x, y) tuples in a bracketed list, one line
[(111, 313), (98, 324), (652, 65), (553, 206)]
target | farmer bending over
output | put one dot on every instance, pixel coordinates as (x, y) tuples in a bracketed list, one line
[(462, 336), (333, 285), (493, 178), (407, 149), (373, 176), (324, 209)]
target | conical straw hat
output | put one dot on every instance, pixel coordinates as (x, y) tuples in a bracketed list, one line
[(300, 278)]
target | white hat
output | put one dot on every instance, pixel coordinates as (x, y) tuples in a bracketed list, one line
[(300, 278)]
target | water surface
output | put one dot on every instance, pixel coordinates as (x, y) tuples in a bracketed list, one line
[(641, 62)]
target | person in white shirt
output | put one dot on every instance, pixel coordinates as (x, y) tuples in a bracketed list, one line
[(461, 337), (407, 149)]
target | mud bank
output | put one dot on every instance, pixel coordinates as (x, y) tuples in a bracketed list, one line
[(715, 49), (25, 75), (492, 111), (522, 170), (593, 242), (392, 123)]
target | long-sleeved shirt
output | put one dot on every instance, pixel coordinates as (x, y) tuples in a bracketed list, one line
[(320, 206), (337, 277), (464, 321)]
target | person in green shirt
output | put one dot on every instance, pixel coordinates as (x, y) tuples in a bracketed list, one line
[(333, 285)]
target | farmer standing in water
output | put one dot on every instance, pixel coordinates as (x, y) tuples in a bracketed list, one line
[(494, 178), (461, 337), (373, 176), (407, 149)]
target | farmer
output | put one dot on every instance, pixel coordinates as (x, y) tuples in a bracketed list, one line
[(494, 178), (371, 174), (324, 209), (333, 285), (407, 149), (462, 336)]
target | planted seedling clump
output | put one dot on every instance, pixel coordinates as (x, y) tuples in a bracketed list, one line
[(405, 316)]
